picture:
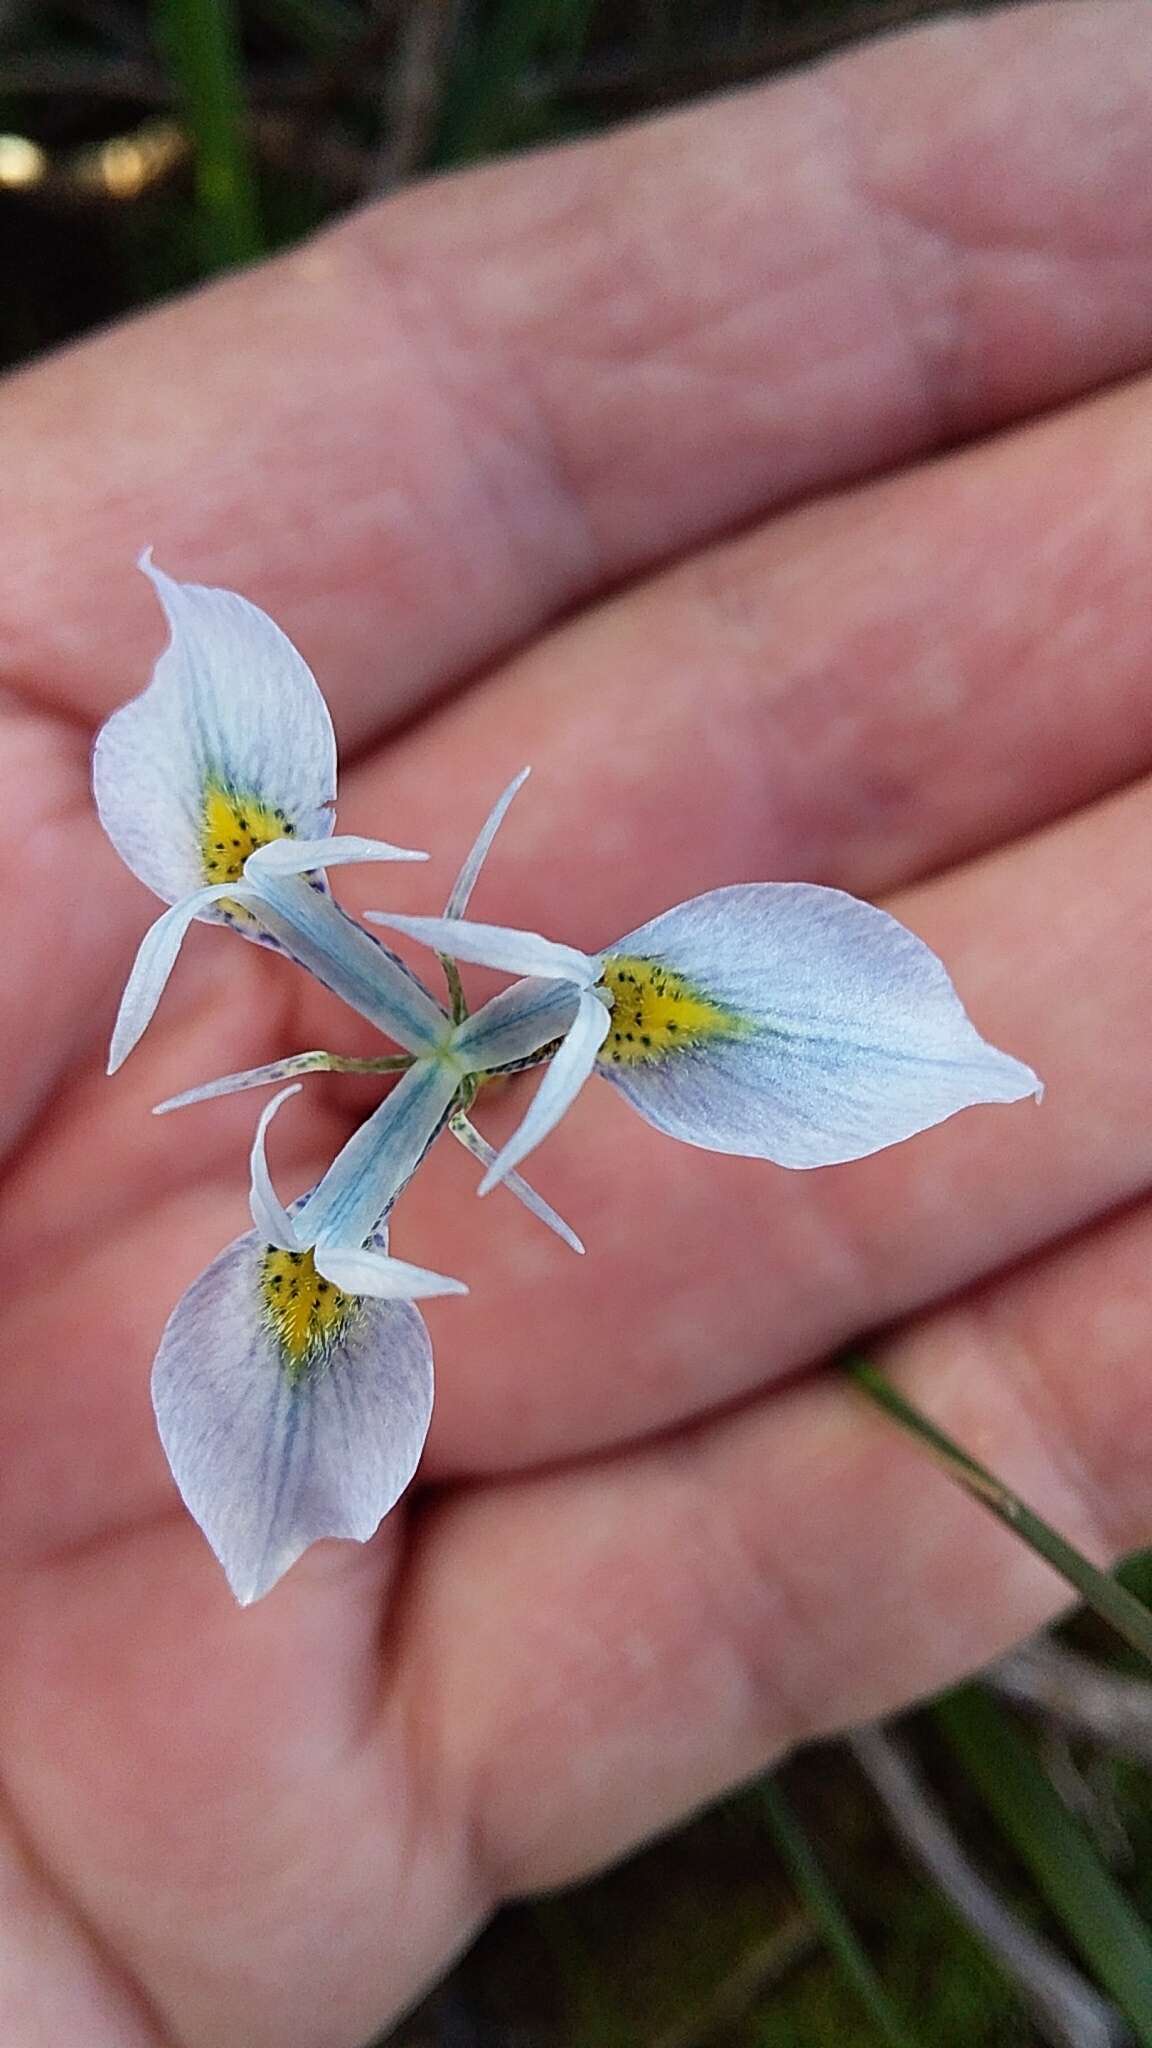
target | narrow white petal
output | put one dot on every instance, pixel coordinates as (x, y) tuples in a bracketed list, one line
[(152, 966), (494, 945), (469, 874), (373, 1273), (304, 856), (563, 1079), (468, 1136), (515, 1024), (230, 703), (368, 1174), (848, 1034), (349, 961), (268, 1463), (253, 1077), (271, 1218)]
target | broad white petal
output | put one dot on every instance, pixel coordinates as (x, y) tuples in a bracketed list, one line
[(230, 704), (271, 1218), (850, 1034), (349, 961), (304, 856), (373, 1273), (466, 880), (494, 945), (468, 1136), (266, 1463), (564, 1077), (515, 1024), (154, 963), (253, 1077), (365, 1178)]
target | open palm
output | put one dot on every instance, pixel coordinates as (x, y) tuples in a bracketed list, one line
[(703, 368)]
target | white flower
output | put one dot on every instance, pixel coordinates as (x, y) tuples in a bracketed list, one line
[(217, 787), (293, 1384)]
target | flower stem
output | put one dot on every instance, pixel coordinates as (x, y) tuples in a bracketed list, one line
[(388, 1063), (455, 988), (1099, 1590)]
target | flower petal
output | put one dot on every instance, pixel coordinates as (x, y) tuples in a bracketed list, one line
[(466, 880), (252, 1077), (515, 1024), (154, 963), (563, 1079), (812, 1028), (304, 856), (269, 1215), (231, 706), (269, 1461), (373, 1273), (365, 1178), (494, 945), (470, 1138), (348, 960)]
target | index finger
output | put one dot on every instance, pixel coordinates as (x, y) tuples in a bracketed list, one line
[(422, 435)]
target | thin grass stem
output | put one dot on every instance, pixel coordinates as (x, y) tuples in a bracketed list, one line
[(202, 41), (1050, 1842), (834, 1925), (1105, 1595), (1071, 2011)]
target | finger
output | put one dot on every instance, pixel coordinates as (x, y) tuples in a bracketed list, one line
[(937, 705), (171, 1723), (634, 1638), (582, 1657), (858, 692), (492, 396), (922, 715), (831, 1267)]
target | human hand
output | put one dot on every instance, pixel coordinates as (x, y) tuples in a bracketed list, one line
[(654, 1542)]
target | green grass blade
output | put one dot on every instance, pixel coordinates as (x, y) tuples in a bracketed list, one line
[(1095, 1914), (202, 41), (479, 115), (1105, 1595), (829, 1915)]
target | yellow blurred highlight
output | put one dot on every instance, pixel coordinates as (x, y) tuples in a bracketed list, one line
[(22, 163), (128, 164)]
